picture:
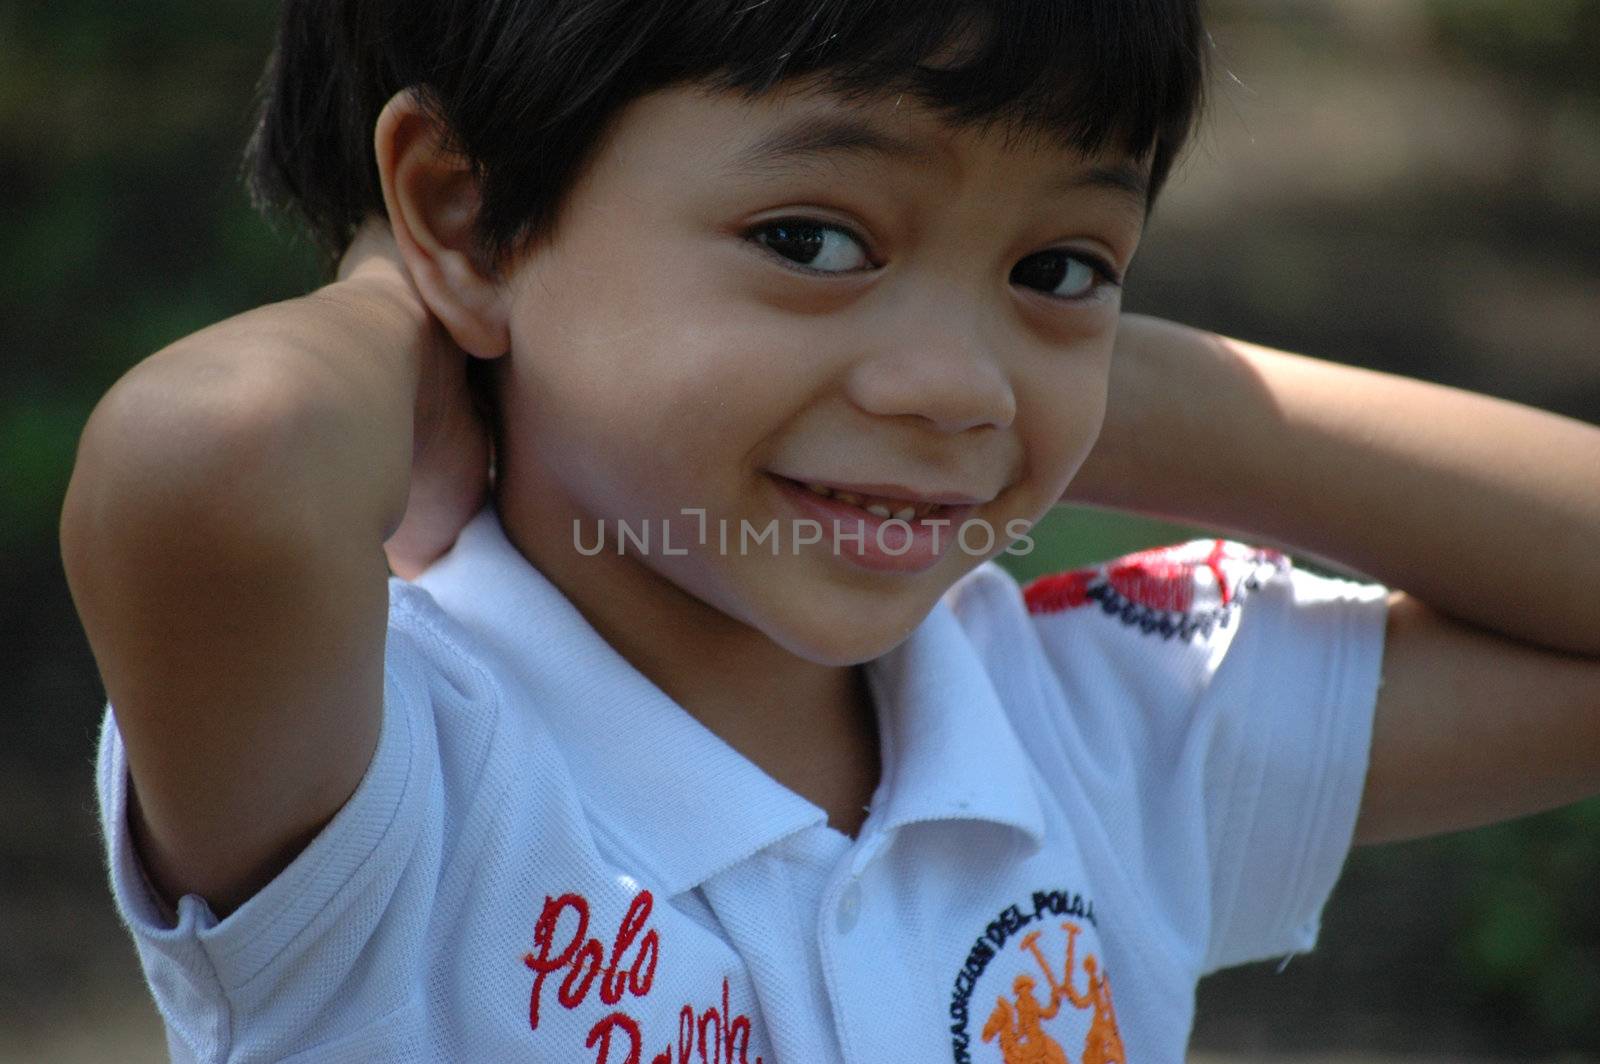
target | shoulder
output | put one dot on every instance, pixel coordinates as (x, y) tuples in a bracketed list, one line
[(1178, 591), (441, 692), (1166, 618), (1209, 703), (437, 646)]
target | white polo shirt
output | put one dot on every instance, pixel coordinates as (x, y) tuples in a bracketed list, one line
[(1092, 794)]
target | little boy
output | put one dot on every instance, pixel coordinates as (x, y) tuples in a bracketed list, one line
[(699, 724)]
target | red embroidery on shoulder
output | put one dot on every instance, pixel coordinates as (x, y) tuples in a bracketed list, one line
[(1059, 591), (1155, 580), (1176, 590)]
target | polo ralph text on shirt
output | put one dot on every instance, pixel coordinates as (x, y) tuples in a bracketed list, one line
[(704, 1035)]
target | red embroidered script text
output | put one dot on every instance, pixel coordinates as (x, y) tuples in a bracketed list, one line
[(712, 1035)]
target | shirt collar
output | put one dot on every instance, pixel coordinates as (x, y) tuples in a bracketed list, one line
[(949, 751), (667, 790)]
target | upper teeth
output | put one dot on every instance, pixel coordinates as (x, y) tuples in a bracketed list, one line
[(898, 509)]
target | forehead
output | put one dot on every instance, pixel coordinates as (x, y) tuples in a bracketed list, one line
[(797, 129)]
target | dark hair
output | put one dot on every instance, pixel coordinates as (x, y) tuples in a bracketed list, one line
[(527, 87)]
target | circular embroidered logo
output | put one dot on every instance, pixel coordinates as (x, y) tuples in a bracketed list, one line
[(1033, 989)]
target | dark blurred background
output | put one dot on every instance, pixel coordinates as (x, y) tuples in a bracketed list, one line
[(1407, 185)]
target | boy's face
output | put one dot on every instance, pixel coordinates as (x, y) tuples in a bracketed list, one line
[(745, 295)]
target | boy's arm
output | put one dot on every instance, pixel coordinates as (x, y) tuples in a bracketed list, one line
[(1486, 513), (223, 537)]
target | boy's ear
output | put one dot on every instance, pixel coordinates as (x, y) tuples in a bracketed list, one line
[(432, 198)]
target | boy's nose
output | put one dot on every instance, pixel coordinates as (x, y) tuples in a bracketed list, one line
[(949, 380)]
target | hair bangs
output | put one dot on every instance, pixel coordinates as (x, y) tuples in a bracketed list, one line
[(1126, 76), (526, 88)]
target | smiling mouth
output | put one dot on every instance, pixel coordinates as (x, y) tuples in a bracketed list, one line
[(880, 506)]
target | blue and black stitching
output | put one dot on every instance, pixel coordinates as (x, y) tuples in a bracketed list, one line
[(1165, 623)]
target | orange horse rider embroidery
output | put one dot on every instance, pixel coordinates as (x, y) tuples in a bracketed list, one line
[(1020, 1028)]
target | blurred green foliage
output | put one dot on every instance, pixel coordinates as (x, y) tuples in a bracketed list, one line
[(1071, 536), (120, 127), (1527, 923)]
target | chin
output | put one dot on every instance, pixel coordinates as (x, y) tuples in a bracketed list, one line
[(829, 640)]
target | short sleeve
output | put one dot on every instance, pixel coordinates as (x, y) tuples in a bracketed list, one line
[(1289, 712), (334, 924), (1236, 692)]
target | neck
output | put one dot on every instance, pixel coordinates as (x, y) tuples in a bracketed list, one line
[(809, 726)]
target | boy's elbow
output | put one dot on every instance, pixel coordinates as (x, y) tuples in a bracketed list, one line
[(212, 454)]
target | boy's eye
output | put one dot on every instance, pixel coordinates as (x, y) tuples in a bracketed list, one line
[(817, 247), (1063, 274), (823, 248)]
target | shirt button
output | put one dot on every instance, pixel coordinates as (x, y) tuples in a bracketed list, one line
[(849, 908)]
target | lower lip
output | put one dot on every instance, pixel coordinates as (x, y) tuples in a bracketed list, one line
[(914, 551)]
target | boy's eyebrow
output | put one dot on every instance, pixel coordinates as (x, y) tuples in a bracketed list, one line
[(816, 136)]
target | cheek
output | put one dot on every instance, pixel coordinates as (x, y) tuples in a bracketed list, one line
[(1060, 414), (671, 395)]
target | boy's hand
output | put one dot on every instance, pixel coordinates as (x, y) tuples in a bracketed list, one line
[(451, 446)]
